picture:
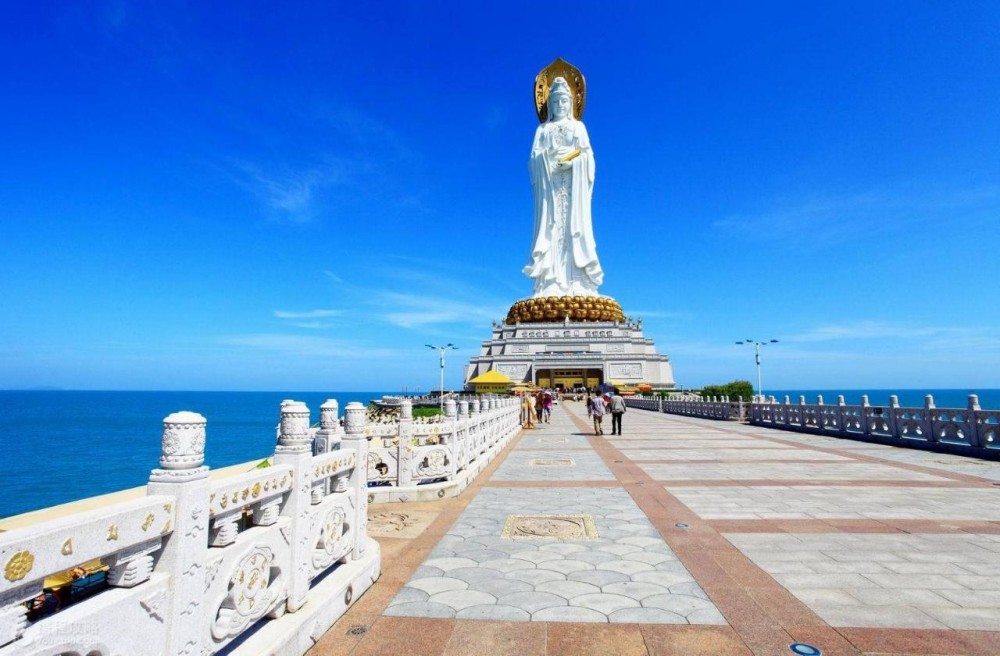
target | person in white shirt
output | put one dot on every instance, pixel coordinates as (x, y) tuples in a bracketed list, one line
[(597, 412), (617, 410)]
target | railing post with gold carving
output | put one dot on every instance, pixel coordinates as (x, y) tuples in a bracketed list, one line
[(294, 448), (354, 438), (183, 476), (404, 454)]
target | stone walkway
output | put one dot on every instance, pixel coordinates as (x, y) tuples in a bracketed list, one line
[(688, 536)]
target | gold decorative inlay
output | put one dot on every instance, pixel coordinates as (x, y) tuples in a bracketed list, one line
[(558, 308), (169, 506), (574, 78), (166, 528), (19, 565), (67, 547), (551, 462), (224, 501), (148, 521), (549, 527), (112, 533), (256, 490)]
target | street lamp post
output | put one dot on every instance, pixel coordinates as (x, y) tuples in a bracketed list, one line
[(756, 347), (441, 349)]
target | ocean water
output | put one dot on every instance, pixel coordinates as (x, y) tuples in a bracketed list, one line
[(62, 446)]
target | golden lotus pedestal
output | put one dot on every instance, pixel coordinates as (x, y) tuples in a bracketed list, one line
[(560, 308)]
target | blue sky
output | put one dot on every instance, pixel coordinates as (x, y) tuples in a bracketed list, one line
[(261, 196)]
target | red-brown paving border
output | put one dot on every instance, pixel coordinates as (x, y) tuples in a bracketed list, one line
[(826, 482), (696, 545), (851, 526)]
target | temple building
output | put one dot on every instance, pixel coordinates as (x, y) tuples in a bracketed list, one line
[(572, 354)]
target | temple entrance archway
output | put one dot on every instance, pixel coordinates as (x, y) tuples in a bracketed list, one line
[(568, 378)]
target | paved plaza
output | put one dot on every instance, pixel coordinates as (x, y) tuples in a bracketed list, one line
[(687, 536)]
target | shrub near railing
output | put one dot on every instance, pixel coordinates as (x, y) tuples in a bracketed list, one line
[(197, 563), (970, 430)]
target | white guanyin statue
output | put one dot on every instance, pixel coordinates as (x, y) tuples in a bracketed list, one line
[(563, 252)]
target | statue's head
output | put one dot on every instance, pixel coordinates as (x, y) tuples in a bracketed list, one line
[(560, 99)]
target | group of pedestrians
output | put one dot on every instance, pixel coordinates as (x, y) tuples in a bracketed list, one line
[(536, 407), (601, 404)]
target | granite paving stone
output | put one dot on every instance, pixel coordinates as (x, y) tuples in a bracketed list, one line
[(533, 601), (568, 589), (604, 602), (551, 573), (833, 501), (496, 612), (745, 471), (864, 591), (568, 614), (587, 466)]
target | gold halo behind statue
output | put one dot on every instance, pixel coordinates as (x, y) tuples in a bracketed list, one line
[(573, 76)]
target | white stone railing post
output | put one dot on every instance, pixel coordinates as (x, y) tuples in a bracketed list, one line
[(354, 438), (476, 420), (328, 436), (183, 476), (928, 420), (866, 424), (404, 453), (450, 431), (894, 416), (464, 435), (972, 423), (294, 449)]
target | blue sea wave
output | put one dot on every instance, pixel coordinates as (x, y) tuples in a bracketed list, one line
[(61, 446)]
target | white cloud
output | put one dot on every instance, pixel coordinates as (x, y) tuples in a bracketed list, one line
[(308, 346), (927, 337), (291, 193), (834, 219), (309, 314)]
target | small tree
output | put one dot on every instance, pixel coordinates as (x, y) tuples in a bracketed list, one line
[(735, 390), (739, 390)]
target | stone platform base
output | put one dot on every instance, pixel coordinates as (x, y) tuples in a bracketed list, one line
[(294, 634)]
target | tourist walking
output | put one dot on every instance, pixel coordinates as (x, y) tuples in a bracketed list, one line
[(528, 410), (547, 406), (597, 412), (617, 410)]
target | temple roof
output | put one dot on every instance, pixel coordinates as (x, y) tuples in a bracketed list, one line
[(491, 376)]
